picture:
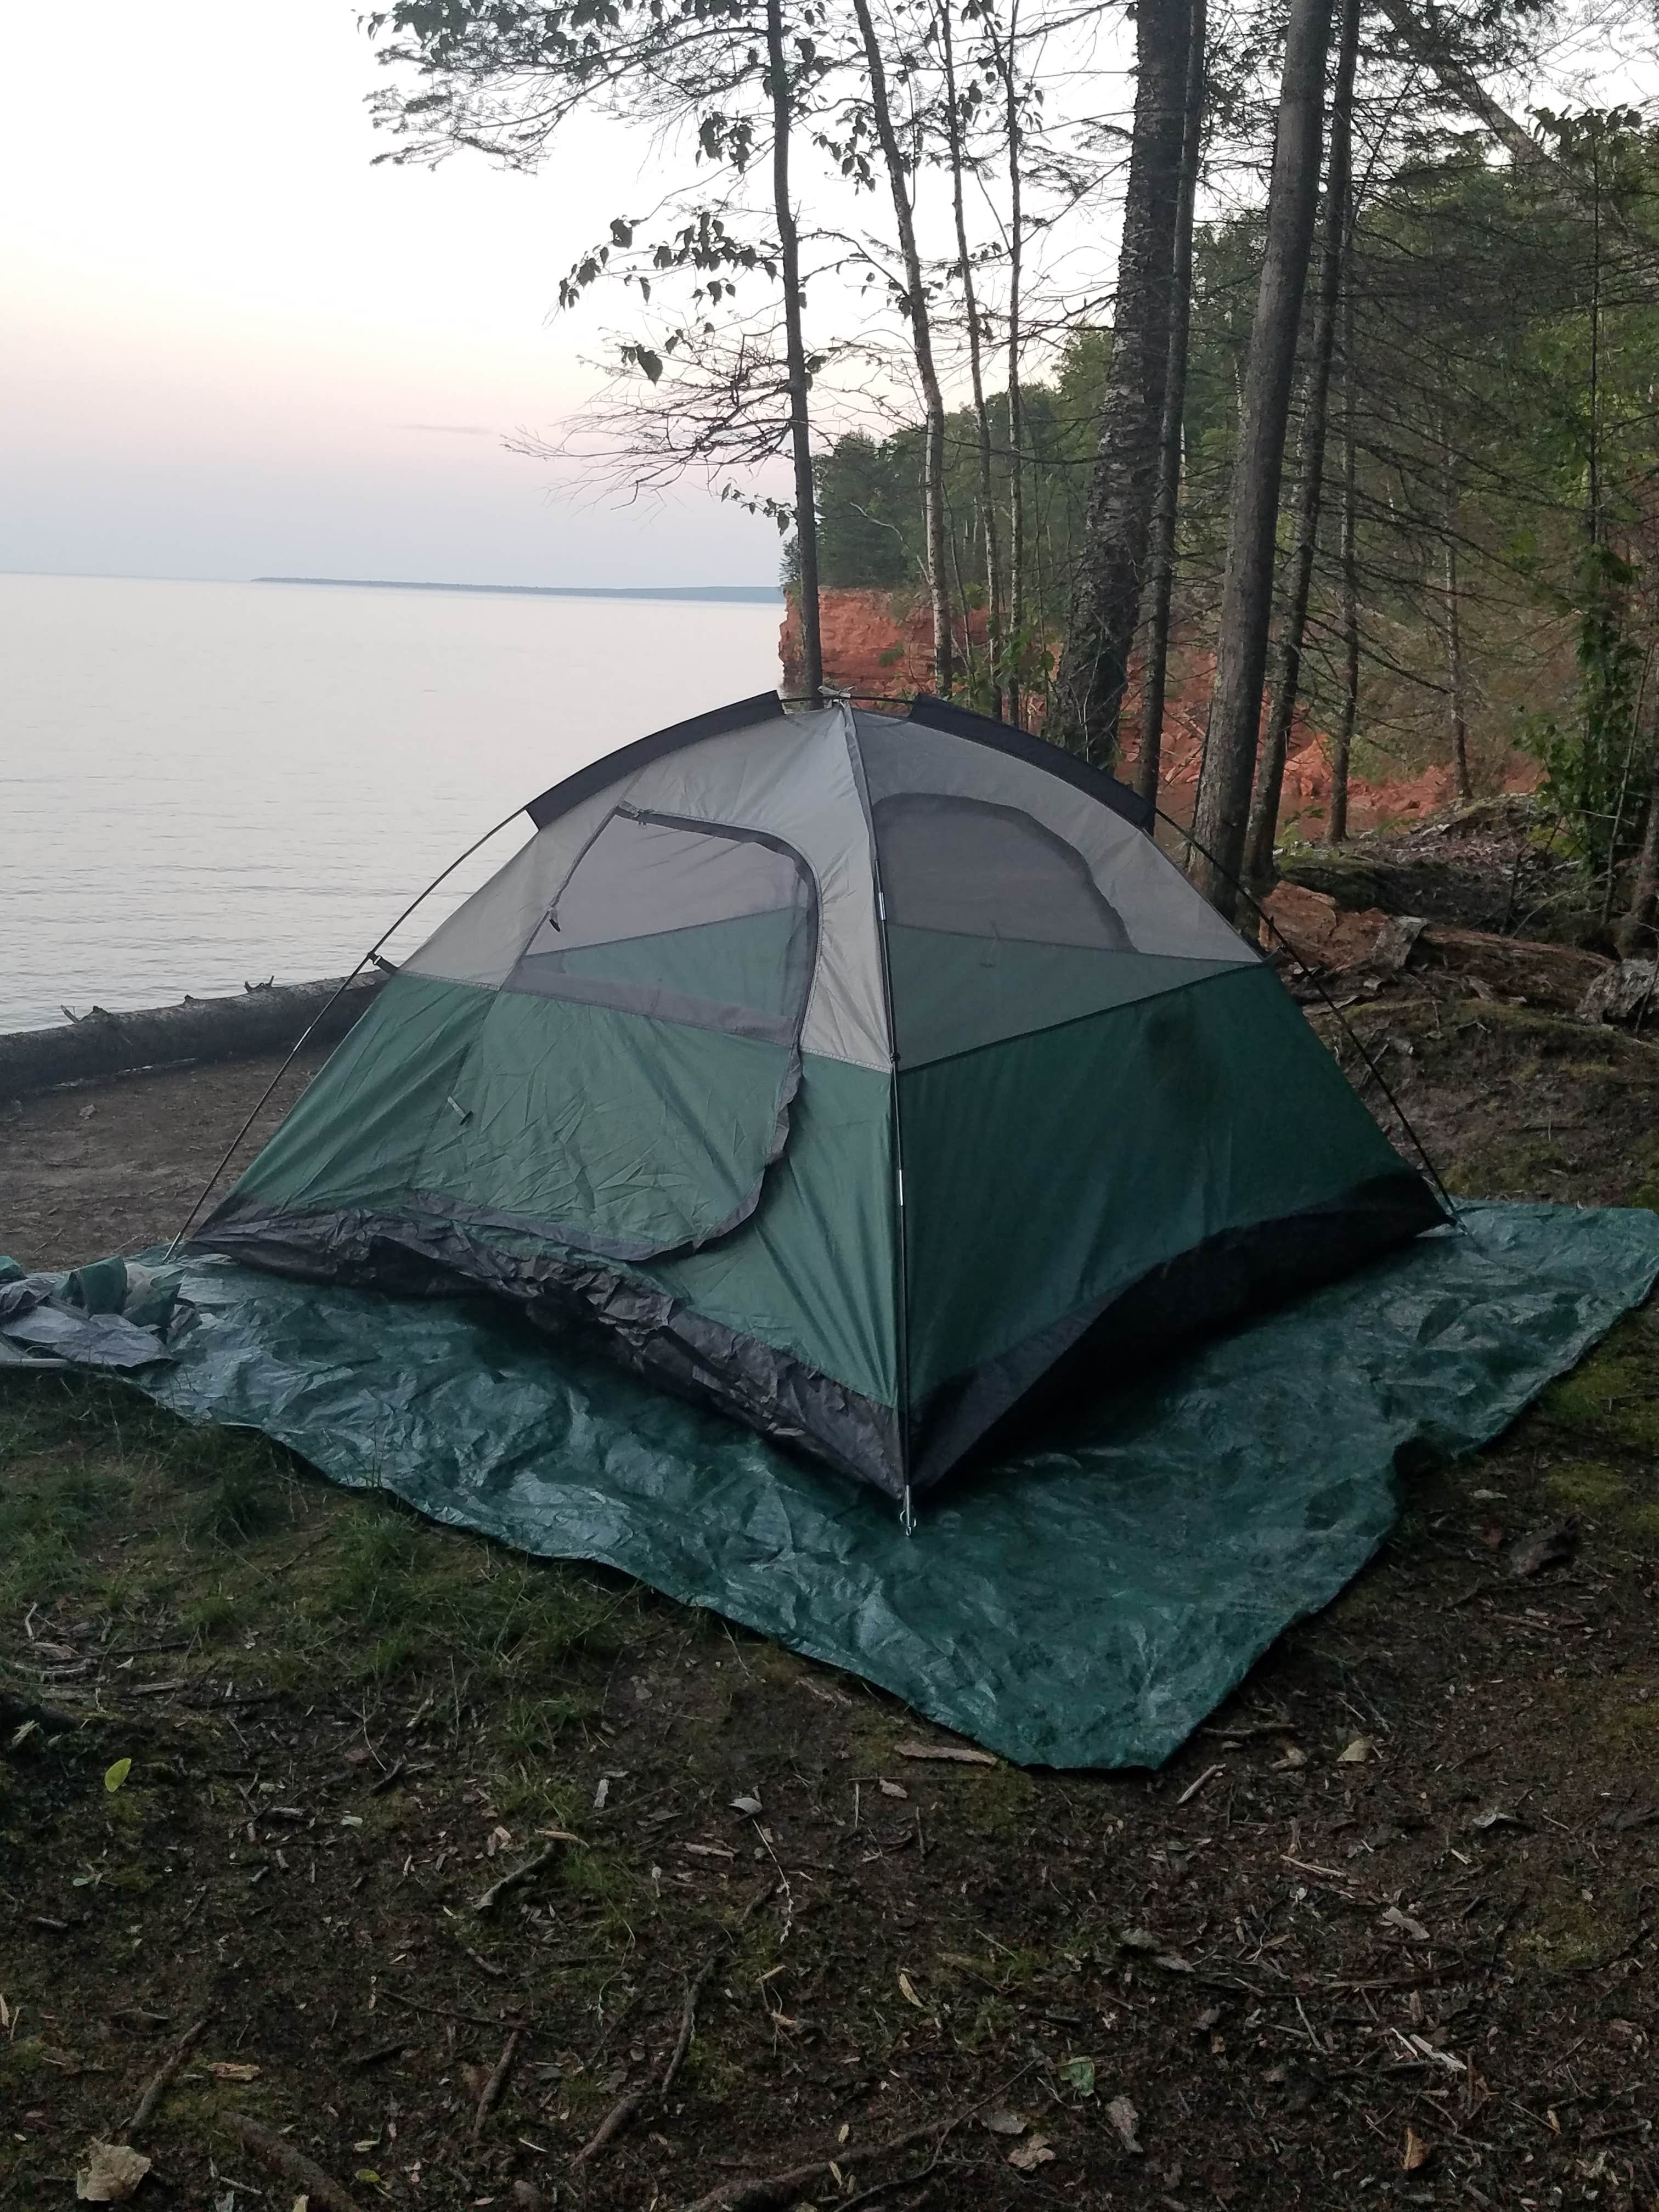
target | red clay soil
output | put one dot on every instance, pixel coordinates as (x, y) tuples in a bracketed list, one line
[(878, 645)]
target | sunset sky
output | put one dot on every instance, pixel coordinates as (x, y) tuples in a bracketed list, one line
[(235, 347)]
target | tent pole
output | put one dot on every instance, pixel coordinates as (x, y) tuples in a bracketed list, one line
[(310, 1029), (1454, 1219)]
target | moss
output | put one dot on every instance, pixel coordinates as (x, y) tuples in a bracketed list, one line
[(1646, 1189), (1587, 1487), (23, 2057), (1566, 1935)]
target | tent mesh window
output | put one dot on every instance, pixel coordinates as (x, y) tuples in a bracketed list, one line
[(686, 922), (995, 925)]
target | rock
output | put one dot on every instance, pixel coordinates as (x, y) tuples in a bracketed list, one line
[(1620, 993), (1395, 942)]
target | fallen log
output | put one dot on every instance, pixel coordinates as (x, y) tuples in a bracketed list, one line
[(263, 1018)]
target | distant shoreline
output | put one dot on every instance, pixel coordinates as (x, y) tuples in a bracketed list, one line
[(725, 594)]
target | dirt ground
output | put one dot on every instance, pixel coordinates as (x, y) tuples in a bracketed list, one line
[(1383, 1931)]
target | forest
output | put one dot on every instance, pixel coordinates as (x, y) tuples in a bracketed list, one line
[(1306, 347)]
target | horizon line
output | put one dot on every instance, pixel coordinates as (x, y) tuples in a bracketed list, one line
[(753, 594)]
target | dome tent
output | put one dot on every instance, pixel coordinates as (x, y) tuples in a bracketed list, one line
[(861, 1073)]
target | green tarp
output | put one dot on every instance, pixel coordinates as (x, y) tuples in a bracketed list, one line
[(1082, 1605)]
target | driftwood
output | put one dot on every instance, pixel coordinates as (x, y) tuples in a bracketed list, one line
[(262, 1019)]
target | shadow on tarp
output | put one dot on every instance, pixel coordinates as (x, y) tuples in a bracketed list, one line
[(1086, 1605)]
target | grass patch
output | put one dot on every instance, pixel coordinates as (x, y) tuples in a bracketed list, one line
[(229, 1544)]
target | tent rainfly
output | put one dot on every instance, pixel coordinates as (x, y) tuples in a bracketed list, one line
[(871, 1076)]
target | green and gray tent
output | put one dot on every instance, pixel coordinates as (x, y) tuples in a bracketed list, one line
[(870, 1076)]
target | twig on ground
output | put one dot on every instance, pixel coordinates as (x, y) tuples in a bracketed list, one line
[(444, 2012), (156, 2087), (496, 2083), (364, 2059), (279, 2157), (516, 1875), (612, 2124), (15, 1710), (688, 2025), (767, 2190), (626, 2107)]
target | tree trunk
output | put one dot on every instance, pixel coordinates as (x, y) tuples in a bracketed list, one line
[(1646, 888), (922, 338), (800, 427), (1005, 51), (1270, 781), (1155, 655), (1336, 820), (1223, 797), (1456, 707), (1105, 608), (975, 371)]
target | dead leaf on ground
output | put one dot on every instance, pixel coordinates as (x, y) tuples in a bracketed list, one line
[(1294, 1757), (892, 1789), (1125, 2121), (1356, 1751), (231, 2069), (908, 1991), (476, 2078), (1417, 2152), (960, 1754), (1541, 1548), (1026, 2157), (1142, 1938), (1414, 1929), (1003, 2124), (1496, 1819), (748, 1803), (112, 2172)]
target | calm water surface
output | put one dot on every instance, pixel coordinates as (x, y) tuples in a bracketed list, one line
[(203, 784)]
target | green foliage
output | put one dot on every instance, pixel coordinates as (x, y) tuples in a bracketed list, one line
[(1592, 757)]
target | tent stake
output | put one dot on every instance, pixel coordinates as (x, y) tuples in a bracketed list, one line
[(907, 1514)]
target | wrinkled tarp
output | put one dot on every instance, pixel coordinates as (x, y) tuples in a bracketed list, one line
[(41, 1316), (1084, 1604)]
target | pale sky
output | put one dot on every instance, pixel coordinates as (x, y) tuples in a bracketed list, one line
[(235, 348)]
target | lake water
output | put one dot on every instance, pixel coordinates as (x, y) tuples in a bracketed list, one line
[(204, 785)]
